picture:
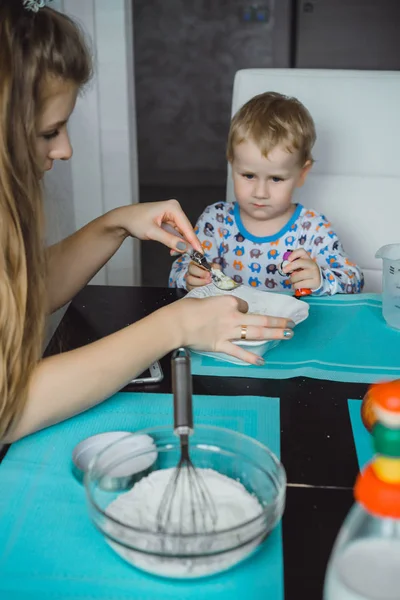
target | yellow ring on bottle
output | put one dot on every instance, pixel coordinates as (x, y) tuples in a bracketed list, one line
[(387, 469)]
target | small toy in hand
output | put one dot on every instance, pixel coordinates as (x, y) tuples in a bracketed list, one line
[(300, 292)]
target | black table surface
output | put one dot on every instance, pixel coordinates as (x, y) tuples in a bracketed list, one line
[(317, 446)]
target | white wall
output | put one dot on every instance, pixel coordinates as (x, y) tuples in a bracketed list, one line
[(60, 218), (103, 171)]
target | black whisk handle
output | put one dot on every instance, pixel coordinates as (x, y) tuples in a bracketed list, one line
[(182, 390)]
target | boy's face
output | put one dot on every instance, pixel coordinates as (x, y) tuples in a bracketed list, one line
[(264, 186)]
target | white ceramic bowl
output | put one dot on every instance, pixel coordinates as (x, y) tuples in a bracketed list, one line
[(263, 303), (88, 448)]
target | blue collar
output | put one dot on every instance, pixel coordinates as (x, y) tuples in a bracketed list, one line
[(270, 238)]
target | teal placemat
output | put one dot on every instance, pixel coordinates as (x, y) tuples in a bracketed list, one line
[(51, 551), (362, 438), (344, 339)]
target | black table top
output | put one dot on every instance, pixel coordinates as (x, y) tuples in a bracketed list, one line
[(317, 447)]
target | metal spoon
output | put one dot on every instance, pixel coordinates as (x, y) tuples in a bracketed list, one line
[(219, 279)]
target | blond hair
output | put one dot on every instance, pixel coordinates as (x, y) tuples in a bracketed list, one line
[(271, 119), (33, 48)]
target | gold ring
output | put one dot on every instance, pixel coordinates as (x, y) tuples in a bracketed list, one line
[(243, 332)]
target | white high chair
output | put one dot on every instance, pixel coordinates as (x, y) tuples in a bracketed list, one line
[(355, 181)]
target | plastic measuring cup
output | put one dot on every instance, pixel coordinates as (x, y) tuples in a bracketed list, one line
[(390, 255)]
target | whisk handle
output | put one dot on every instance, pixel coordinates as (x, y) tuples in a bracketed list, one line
[(182, 390)]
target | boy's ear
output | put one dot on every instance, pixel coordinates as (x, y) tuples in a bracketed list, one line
[(304, 172)]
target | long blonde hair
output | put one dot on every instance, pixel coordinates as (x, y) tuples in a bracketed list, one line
[(33, 47)]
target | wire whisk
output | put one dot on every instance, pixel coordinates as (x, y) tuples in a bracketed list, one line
[(186, 505)]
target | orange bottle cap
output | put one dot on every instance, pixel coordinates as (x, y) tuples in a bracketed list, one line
[(376, 496), (386, 395)]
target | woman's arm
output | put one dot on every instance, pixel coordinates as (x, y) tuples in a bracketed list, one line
[(74, 261), (69, 383)]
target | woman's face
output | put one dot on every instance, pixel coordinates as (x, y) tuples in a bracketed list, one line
[(52, 139)]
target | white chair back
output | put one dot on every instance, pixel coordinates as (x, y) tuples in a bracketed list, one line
[(355, 181)]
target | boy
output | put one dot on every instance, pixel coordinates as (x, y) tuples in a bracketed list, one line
[(269, 148)]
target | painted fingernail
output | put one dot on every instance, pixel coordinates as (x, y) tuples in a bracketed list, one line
[(181, 246), (291, 324), (288, 333), (260, 362)]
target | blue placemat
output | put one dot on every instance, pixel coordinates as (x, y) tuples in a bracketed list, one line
[(344, 339), (51, 551), (362, 438)]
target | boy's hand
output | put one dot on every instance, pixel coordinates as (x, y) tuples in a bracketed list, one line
[(303, 270), (196, 277)]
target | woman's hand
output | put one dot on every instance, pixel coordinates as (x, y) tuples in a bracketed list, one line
[(212, 323), (303, 270), (144, 221)]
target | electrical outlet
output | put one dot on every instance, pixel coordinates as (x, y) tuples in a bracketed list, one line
[(255, 13)]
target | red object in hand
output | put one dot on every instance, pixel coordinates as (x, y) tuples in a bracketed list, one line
[(302, 291)]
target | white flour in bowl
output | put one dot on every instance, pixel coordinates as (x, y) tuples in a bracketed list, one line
[(138, 508)]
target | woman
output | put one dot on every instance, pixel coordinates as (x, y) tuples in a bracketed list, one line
[(44, 63)]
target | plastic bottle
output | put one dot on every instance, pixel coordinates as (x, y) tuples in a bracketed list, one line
[(300, 292), (365, 561)]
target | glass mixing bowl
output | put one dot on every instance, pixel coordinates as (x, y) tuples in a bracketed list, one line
[(116, 469)]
